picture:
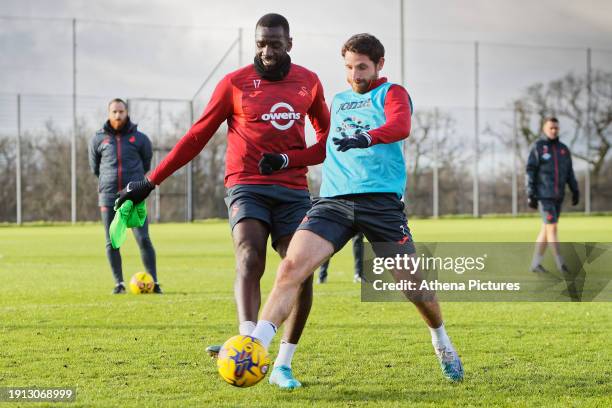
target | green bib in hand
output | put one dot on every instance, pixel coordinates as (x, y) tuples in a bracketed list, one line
[(127, 216)]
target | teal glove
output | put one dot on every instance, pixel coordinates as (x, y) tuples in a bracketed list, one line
[(127, 216)]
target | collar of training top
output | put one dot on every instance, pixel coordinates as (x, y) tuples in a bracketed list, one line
[(376, 83)]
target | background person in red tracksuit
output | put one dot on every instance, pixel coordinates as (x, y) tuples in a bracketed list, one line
[(265, 105)]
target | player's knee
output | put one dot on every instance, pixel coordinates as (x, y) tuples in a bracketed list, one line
[(551, 232), (250, 262), (289, 273)]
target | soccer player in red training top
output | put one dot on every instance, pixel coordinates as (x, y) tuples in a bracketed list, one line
[(265, 105)]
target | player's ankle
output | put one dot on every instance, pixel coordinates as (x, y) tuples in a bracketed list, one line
[(439, 337), (264, 332), (285, 354)]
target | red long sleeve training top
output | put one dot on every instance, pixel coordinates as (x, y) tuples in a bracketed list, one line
[(398, 110), (262, 117)]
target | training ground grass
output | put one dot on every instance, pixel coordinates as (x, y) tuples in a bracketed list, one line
[(59, 326)]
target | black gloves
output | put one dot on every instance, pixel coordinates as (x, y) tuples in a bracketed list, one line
[(575, 197), (271, 162), (532, 202), (136, 191), (360, 140)]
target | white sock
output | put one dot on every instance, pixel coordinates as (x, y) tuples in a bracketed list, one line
[(246, 328), (285, 354), (439, 338), (264, 332), (537, 259), (559, 261)]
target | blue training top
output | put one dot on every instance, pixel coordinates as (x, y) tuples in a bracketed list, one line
[(376, 169)]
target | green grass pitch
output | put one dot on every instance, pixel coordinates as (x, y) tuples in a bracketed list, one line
[(59, 326)]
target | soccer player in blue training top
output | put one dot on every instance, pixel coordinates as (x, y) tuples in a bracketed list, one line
[(364, 178), (549, 169)]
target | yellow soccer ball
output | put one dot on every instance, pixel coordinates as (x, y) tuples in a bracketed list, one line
[(243, 361), (141, 282)]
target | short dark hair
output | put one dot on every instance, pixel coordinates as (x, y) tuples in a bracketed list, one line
[(552, 119), (273, 20), (118, 100), (365, 44)]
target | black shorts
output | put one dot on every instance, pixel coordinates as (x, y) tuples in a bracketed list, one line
[(550, 210), (280, 207), (380, 217)]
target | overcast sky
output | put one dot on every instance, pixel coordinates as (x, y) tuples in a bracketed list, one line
[(137, 58)]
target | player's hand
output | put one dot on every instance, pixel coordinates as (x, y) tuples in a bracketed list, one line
[(136, 191), (360, 140), (271, 162), (532, 202), (575, 197)]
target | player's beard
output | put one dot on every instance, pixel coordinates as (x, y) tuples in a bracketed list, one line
[(274, 72), (118, 124), (269, 63), (362, 86)]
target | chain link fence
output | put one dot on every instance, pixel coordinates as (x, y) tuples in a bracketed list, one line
[(478, 107)]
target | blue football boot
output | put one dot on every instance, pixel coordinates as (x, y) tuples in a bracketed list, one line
[(283, 377), (450, 364)]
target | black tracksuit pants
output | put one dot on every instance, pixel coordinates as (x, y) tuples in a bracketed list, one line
[(147, 252)]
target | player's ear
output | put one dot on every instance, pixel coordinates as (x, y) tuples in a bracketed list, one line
[(289, 44), (381, 64)]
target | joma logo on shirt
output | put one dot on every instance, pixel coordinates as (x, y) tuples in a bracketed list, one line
[(355, 105), (274, 116)]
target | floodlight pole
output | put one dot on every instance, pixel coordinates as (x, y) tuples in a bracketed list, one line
[(189, 177), (436, 180), (587, 175), (18, 161), (475, 191), (73, 180), (189, 180), (240, 50), (514, 159), (157, 211)]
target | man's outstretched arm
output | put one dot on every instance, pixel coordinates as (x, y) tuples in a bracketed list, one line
[(218, 110)]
